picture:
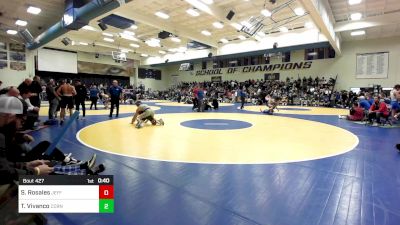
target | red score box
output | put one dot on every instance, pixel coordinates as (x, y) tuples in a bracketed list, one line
[(106, 191)]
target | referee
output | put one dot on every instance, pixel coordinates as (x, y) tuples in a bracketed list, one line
[(115, 94)]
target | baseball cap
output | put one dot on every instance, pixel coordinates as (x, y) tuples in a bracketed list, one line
[(11, 105)]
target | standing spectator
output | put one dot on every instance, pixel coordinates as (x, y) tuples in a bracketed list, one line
[(25, 85), (115, 94), (200, 97), (80, 97), (36, 89), (242, 95), (94, 96), (53, 98)]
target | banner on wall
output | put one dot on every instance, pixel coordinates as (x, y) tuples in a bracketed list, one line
[(105, 69), (257, 68), (372, 65)]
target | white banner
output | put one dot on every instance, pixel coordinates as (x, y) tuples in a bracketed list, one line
[(372, 65)]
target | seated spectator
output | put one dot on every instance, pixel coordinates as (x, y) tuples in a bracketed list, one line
[(356, 113), (10, 91), (11, 118), (364, 103), (377, 111), (32, 111)]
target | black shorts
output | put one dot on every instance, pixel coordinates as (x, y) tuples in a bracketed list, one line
[(67, 101)]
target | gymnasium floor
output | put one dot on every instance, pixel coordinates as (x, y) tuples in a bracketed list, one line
[(302, 166)]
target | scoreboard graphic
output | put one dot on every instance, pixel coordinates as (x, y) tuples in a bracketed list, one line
[(66, 194)]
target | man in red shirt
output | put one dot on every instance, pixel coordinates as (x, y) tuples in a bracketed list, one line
[(356, 113), (378, 109)]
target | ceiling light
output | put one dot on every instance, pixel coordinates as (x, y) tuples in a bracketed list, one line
[(218, 25), (144, 55), (83, 43), (33, 10), (283, 29), (236, 26), (67, 19), (357, 33), (12, 32), (354, 2), (153, 42), (162, 15), (133, 27), (299, 11), (246, 24), (173, 50), (208, 2), (21, 23), (162, 52), (87, 27), (309, 25), (127, 32), (182, 49), (175, 39), (128, 37), (223, 40), (125, 50), (107, 34), (134, 45), (261, 34), (266, 13), (356, 16), (200, 5), (241, 37), (206, 32), (108, 39), (193, 12)]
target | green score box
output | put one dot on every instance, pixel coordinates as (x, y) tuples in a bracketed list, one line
[(106, 205)]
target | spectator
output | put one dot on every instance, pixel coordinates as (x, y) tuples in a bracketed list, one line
[(94, 96), (80, 96), (53, 98), (377, 111), (363, 103), (356, 113), (115, 94)]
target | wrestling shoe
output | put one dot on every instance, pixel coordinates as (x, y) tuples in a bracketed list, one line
[(96, 170), (92, 161), (161, 121)]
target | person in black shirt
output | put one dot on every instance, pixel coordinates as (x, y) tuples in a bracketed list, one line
[(53, 98), (36, 89), (80, 96), (115, 94)]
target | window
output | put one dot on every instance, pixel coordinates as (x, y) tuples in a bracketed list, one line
[(319, 53), (286, 57), (245, 61), (331, 53), (204, 65), (215, 64)]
